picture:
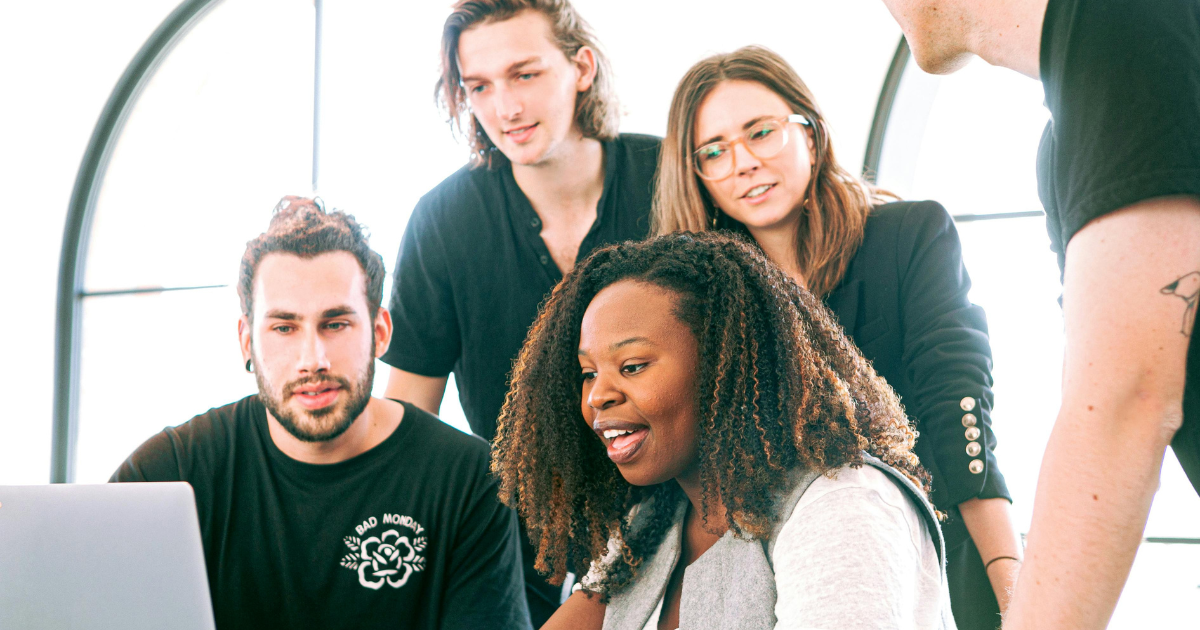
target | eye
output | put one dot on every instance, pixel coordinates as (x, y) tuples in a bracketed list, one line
[(527, 76), (475, 89), (710, 152), (758, 133), (283, 328), (337, 325), (588, 375), (633, 368)]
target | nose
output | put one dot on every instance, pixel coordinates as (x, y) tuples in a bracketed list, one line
[(744, 161), (604, 394), (508, 103), (313, 358)]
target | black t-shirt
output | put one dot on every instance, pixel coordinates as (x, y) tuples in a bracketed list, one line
[(1122, 80), (409, 534), (473, 270)]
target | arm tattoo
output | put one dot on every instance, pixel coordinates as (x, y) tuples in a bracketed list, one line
[(1186, 288)]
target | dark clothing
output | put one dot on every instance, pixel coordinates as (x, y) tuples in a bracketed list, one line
[(1122, 81), (409, 534), (904, 302), (473, 270)]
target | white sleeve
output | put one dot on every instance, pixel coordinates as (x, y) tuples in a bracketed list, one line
[(855, 553)]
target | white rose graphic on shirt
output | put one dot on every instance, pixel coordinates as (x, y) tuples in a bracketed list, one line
[(390, 558)]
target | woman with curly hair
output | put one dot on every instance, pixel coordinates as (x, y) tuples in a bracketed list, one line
[(681, 408), (747, 149)]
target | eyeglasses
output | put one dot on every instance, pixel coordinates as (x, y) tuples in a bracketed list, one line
[(714, 161)]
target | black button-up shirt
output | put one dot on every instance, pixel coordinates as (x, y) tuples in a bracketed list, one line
[(473, 269)]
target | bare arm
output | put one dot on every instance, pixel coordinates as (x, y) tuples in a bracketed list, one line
[(989, 521), (423, 391), (581, 611), (1123, 381)]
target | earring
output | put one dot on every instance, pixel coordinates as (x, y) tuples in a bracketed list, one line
[(249, 366)]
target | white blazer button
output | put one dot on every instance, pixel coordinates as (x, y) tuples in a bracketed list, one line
[(967, 404), (972, 433), (969, 420), (976, 466), (973, 449)]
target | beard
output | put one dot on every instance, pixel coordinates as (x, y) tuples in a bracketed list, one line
[(319, 425)]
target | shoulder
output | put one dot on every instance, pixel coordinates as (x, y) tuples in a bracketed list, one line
[(873, 483), (449, 447), (1112, 39), (641, 150), (910, 215), (855, 502), (458, 197), (639, 142), (172, 453)]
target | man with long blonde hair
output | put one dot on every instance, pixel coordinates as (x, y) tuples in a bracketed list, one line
[(549, 180)]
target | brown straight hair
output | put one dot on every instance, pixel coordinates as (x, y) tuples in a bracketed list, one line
[(836, 203), (596, 109)]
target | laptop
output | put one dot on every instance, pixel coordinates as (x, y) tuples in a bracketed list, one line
[(114, 556)]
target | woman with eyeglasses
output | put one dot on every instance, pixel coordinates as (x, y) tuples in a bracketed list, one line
[(748, 150)]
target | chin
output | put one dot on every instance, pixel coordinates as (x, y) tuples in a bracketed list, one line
[(641, 475), (936, 61)]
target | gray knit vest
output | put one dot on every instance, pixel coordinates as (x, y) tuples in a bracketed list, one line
[(732, 585)]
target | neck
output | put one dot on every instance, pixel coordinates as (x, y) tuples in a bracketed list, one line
[(779, 244), (369, 429), (1008, 34), (572, 178), (690, 484)]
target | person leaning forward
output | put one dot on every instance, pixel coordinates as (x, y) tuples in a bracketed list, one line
[(320, 506), (549, 180), (1119, 175)]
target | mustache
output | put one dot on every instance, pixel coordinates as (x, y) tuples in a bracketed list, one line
[(316, 379)]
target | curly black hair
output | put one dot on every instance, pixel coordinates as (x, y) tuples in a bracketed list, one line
[(779, 387)]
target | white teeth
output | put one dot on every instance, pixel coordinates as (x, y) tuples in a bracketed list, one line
[(612, 433), (758, 190)]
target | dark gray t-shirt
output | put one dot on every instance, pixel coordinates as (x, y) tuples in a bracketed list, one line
[(409, 534)]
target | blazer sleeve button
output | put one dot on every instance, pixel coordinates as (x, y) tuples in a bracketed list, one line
[(969, 420), (967, 404), (972, 433), (976, 466), (973, 449)]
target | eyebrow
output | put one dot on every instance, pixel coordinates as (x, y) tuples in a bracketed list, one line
[(328, 313), (620, 344), (749, 123), (513, 69)]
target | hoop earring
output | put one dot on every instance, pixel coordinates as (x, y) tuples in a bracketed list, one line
[(249, 366)]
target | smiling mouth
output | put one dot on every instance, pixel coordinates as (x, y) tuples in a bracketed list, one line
[(624, 444), (521, 132), (757, 191)]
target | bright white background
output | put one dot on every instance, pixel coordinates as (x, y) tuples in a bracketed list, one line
[(225, 129)]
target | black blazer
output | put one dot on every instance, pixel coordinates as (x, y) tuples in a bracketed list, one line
[(904, 302)]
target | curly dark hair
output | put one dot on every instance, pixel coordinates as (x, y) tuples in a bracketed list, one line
[(301, 226), (779, 388)]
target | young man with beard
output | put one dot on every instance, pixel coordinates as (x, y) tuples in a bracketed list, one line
[(1119, 175), (549, 180), (320, 506)]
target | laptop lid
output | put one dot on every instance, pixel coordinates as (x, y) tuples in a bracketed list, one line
[(124, 555)]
